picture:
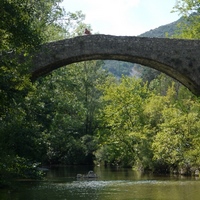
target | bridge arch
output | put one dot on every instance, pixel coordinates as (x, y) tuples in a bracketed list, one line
[(177, 58)]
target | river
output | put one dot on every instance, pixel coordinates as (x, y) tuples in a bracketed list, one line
[(112, 184)]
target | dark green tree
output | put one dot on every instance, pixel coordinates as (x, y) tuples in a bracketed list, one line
[(23, 27), (69, 113)]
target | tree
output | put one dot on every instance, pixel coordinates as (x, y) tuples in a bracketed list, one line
[(175, 124), (124, 123), (57, 107), (24, 24), (190, 27), (23, 27), (175, 142), (187, 7), (69, 113)]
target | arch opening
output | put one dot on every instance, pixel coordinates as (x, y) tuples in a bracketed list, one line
[(176, 58)]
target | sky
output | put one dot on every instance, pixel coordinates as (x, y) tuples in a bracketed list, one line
[(124, 17)]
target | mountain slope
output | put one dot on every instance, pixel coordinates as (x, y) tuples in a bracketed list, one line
[(164, 31)]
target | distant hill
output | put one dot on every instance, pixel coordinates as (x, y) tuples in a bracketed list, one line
[(119, 68), (164, 31)]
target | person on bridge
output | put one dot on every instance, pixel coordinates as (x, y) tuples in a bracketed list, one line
[(87, 32)]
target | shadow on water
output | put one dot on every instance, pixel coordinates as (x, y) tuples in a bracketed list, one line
[(112, 184)]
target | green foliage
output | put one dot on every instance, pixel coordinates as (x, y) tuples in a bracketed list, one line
[(23, 27), (24, 24), (124, 120), (68, 115), (187, 7), (18, 167), (16, 25), (38, 124), (174, 121), (177, 135), (153, 128), (150, 127), (79, 112), (190, 27)]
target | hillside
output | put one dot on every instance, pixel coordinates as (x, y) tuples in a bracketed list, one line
[(167, 30)]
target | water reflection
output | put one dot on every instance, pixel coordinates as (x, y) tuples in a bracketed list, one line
[(112, 184)]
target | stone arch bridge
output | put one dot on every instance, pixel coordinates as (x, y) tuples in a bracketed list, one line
[(177, 58)]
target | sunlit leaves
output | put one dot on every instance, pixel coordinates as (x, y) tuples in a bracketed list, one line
[(186, 7), (124, 99), (190, 27), (123, 116), (177, 135), (158, 128)]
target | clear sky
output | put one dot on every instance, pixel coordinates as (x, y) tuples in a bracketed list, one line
[(124, 17)]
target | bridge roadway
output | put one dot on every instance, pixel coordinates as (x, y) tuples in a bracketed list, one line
[(177, 58)]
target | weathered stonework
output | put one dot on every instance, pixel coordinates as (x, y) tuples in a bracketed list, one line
[(177, 58)]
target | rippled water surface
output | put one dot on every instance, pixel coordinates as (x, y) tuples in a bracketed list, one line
[(112, 184)]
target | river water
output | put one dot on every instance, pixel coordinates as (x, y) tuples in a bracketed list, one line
[(112, 184)]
